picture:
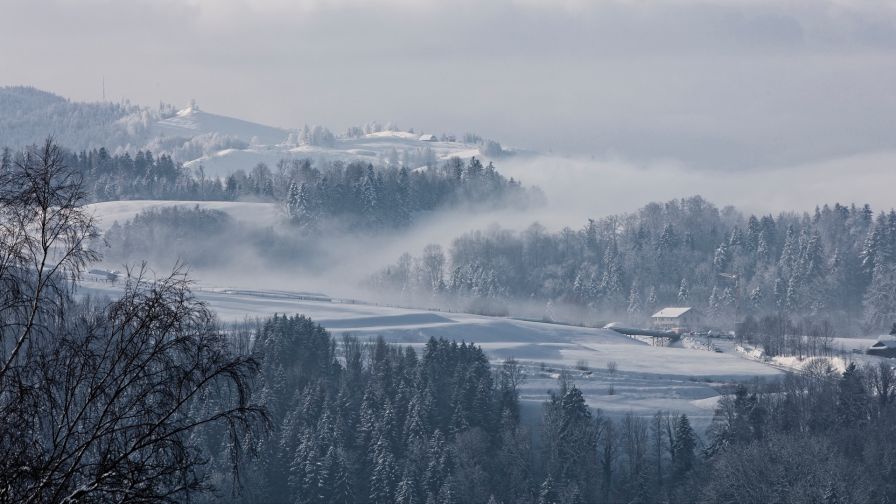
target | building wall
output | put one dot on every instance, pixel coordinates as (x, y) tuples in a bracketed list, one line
[(882, 352)]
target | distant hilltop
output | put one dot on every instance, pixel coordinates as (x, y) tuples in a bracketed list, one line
[(218, 143)]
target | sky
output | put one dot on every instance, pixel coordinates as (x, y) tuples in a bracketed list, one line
[(717, 85)]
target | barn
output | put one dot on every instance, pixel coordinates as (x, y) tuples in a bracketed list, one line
[(885, 346), (675, 318)]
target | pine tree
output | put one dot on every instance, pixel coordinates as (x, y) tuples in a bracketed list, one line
[(612, 283), (579, 288), (683, 292), (789, 252), (852, 402), (447, 494), (292, 199), (403, 204), (406, 492), (763, 252), (728, 301), (593, 288), (547, 494), (591, 236), (634, 302), (722, 257), (792, 298), (652, 300), (383, 476), (370, 198), (683, 446), (668, 241), (812, 260), (781, 294), (301, 207), (715, 302), (754, 232), (439, 467), (756, 299)]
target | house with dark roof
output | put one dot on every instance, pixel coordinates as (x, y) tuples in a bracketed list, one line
[(885, 346)]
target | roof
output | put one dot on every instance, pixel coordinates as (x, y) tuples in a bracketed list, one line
[(885, 341), (428, 138), (672, 312)]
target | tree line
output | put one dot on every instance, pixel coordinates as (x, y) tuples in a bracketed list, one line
[(147, 398), (837, 263), (358, 196), (370, 422), (316, 197)]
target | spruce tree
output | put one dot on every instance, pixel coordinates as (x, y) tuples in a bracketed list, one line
[(685, 441), (683, 292), (547, 494)]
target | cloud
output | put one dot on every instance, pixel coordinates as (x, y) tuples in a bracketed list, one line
[(724, 85)]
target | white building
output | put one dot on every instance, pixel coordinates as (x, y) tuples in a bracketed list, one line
[(674, 318)]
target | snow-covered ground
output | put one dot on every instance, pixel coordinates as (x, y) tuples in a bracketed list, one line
[(646, 378), (108, 212), (374, 148), (192, 121), (269, 145)]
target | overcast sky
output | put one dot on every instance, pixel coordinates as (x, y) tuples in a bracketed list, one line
[(726, 84)]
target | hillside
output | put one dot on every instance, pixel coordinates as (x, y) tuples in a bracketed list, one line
[(218, 143), (28, 115), (386, 147), (192, 122)]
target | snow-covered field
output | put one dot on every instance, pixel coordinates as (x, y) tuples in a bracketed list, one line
[(646, 378), (108, 212)]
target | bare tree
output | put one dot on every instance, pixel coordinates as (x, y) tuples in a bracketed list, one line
[(881, 382), (43, 231), (512, 374), (612, 367), (103, 403)]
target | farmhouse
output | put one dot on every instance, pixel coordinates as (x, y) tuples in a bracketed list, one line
[(885, 346), (671, 318), (100, 275), (428, 138)]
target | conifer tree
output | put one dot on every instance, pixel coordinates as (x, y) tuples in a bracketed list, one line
[(683, 292), (685, 441)]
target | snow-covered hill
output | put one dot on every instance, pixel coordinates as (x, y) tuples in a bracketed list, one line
[(192, 122), (386, 147), (218, 143)]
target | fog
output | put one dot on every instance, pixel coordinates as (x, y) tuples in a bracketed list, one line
[(575, 189), (710, 84), (767, 106), (579, 188)]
